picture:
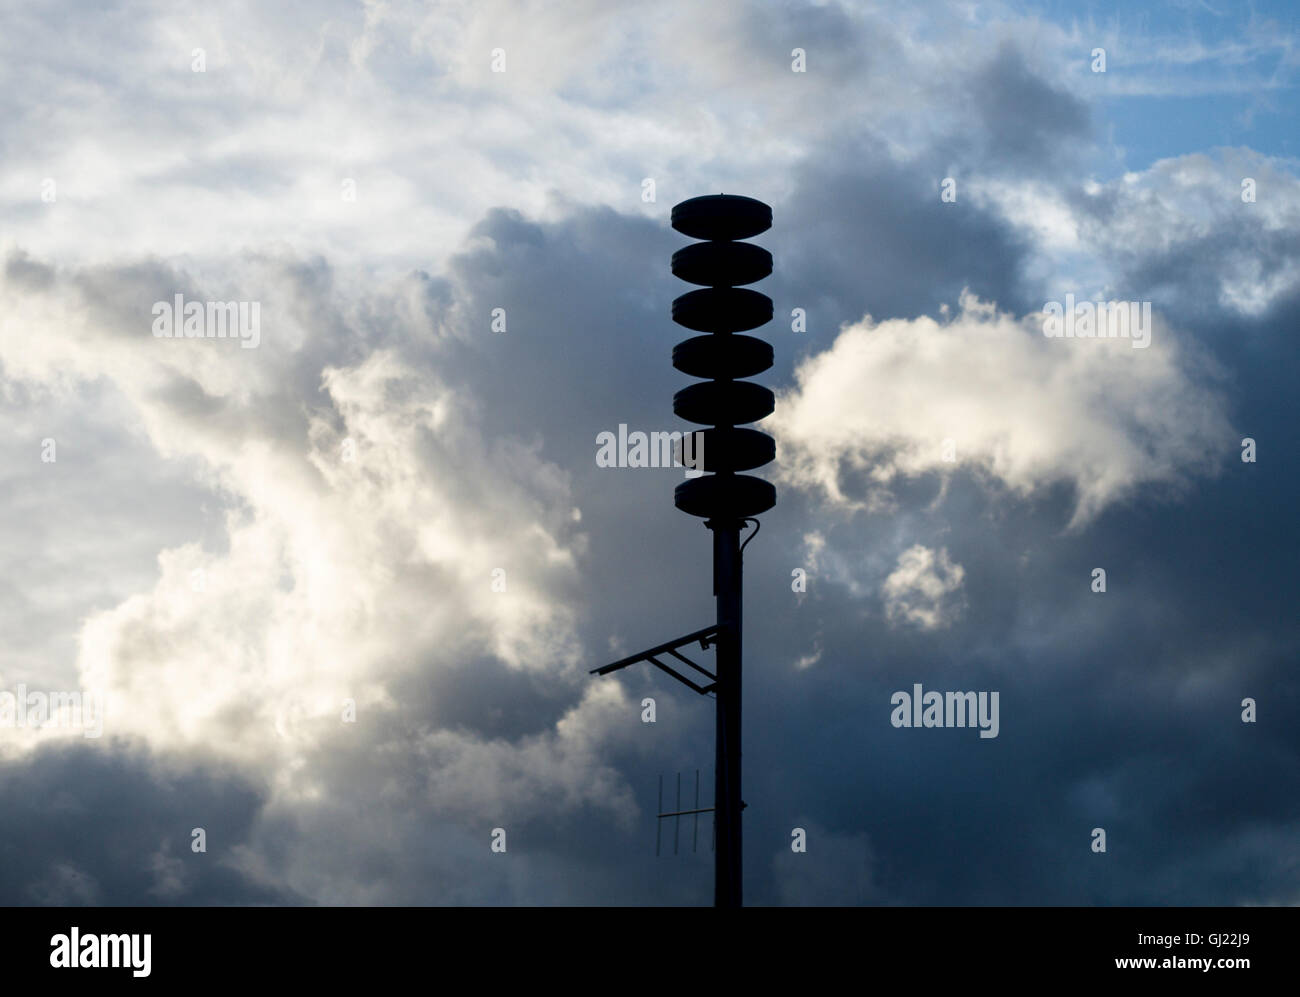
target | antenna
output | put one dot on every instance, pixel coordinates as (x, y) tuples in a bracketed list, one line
[(724, 499), (679, 813)]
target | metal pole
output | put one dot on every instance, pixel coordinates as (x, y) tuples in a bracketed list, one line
[(727, 585)]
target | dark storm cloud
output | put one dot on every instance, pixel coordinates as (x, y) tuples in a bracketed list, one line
[(1120, 710), (866, 231), (1189, 278), (866, 234), (1027, 123), (84, 826)]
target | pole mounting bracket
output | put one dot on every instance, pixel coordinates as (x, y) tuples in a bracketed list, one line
[(703, 637)]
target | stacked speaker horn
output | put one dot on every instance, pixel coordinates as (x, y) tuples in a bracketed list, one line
[(724, 309)]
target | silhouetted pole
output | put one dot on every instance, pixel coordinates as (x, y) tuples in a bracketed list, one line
[(723, 498), (727, 499), (728, 861)]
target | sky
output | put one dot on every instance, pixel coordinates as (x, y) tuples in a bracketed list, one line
[(328, 591)]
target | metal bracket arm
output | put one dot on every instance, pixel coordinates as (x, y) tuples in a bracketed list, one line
[(702, 636)]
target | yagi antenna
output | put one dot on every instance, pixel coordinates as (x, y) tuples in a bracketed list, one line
[(679, 813)]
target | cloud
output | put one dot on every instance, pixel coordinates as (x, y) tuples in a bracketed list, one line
[(919, 590), (99, 828), (896, 399), (362, 520), (1027, 122)]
